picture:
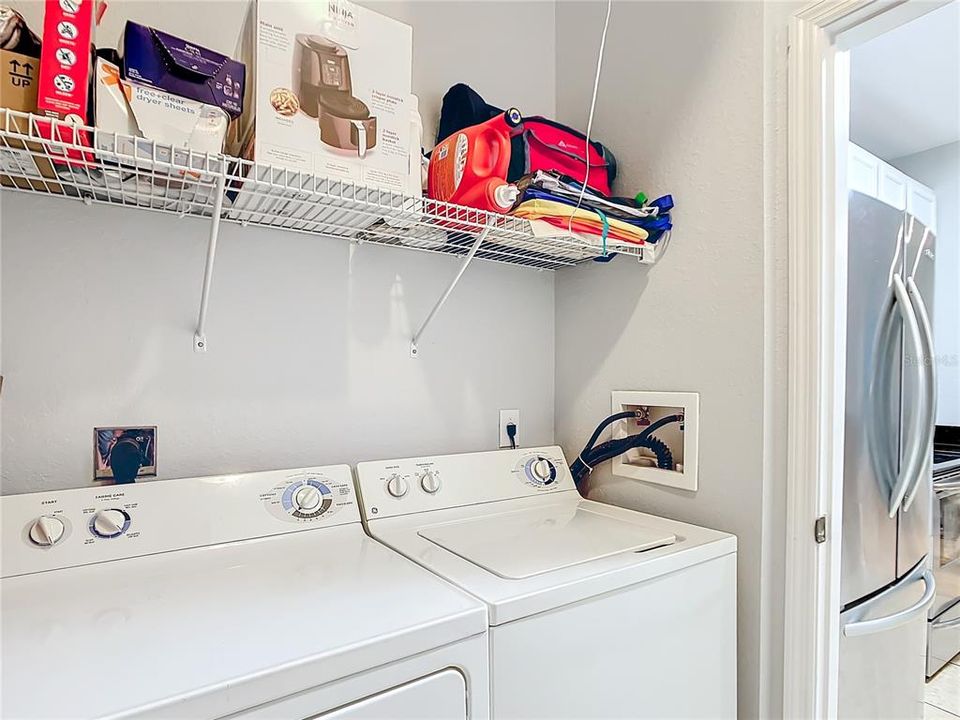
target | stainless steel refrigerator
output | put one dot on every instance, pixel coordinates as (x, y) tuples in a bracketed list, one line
[(887, 584)]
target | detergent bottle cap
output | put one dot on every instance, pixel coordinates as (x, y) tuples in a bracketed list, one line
[(506, 195)]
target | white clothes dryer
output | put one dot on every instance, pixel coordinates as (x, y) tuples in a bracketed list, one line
[(242, 596)]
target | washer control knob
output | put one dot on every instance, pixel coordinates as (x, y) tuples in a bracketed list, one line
[(397, 486), (429, 482), (110, 523), (543, 470), (307, 499), (46, 531)]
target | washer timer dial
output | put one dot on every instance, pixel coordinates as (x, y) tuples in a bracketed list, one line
[(538, 471), (544, 471)]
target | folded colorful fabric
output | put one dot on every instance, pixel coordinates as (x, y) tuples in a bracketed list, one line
[(588, 228), (552, 211), (652, 217)]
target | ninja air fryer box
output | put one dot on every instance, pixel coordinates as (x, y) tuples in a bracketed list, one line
[(332, 89)]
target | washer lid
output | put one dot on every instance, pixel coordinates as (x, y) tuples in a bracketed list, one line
[(524, 543)]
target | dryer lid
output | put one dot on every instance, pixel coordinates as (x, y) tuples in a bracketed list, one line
[(524, 543)]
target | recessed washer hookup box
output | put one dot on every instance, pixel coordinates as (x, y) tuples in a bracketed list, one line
[(164, 61)]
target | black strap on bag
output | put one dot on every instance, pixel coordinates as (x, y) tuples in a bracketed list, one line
[(462, 107)]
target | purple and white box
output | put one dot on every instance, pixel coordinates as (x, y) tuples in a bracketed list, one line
[(152, 57)]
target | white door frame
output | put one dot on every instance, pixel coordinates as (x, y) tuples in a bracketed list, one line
[(818, 115)]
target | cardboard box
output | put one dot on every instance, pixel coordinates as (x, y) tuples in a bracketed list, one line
[(133, 110), (66, 61), (181, 68), (21, 162), (139, 126), (19, 81), (66, 73), (112, 109), (333, 85)]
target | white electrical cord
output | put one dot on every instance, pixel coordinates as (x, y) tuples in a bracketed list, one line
[(593, 105)]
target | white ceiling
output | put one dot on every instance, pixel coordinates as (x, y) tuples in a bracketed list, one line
[(905, 86)]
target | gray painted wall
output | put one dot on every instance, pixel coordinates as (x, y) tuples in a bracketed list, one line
[(685, 113), (308, 359), (309, 346), (939, 169)]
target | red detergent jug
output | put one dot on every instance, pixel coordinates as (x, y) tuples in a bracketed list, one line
[(470, 166)]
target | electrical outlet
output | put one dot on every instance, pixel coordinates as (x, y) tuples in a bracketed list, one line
[(509, 416)]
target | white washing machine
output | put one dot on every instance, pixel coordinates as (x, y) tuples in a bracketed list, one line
[(242, 596), (595, 611)]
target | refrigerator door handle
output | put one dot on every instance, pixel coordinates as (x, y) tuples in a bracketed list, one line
[(879, 429), (947, 486), (945, 624), (926, 361), (914, 456), (856, 627)]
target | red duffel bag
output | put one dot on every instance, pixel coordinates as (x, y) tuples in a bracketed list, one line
[(548, 145)]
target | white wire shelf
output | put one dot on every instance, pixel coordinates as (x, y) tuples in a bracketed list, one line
[(39, 155), (43, 156)]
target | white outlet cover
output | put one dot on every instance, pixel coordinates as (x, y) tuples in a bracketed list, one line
[(685, 478), (506, 416)]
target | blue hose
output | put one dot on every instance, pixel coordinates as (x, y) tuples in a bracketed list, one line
[(591, 455)]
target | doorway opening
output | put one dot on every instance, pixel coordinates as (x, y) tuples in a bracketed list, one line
[(870, 341)]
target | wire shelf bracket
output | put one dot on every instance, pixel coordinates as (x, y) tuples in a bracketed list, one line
[(415, 340), (200, 336)]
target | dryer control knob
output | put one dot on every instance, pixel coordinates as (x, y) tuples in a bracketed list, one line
[(307, 499), (543, 470), (110, 523), (397, 486), (46, 531), (429, 482)]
